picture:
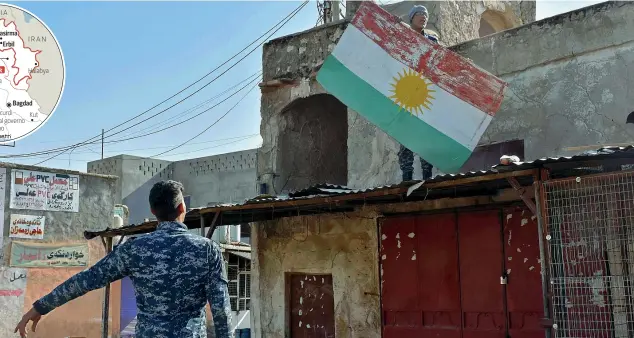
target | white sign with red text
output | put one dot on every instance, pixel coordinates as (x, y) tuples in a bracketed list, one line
[(37, 190)]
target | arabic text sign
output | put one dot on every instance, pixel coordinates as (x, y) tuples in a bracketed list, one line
[(27, 226), (36, 255), (44, 191)]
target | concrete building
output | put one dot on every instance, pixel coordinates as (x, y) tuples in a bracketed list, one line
[(81, 317), (211, 180), (568, 92), (207, 180)]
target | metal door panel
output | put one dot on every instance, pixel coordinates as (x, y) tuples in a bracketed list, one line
[(480, 271), (399, 276), (524, 290), (420, 288), (439, 290)]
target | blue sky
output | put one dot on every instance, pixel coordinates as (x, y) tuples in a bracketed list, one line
[(124, 57)]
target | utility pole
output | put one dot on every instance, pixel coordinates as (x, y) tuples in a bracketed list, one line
[(102, 143), (336, 12)]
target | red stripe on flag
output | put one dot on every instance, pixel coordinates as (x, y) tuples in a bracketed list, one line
[(446, 69)]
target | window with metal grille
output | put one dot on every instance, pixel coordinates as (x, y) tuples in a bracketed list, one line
[(244, 291), (239, 277)]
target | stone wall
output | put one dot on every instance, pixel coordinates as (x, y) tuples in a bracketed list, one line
[(568, 75), (342, 245), (569, 83), (81, 317), (371, 156)]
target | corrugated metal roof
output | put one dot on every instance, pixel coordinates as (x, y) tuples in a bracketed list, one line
[(326, 189), (303, 198), (601, 152)]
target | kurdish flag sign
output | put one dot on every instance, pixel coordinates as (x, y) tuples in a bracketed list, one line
[(428, 98)]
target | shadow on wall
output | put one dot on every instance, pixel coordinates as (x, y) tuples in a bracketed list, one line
[(314, 141), (493, 21)]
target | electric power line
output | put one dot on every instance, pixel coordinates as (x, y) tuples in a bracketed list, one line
[(33, 155), (164, 147), (166, 128), (211, 125), (92, 140), (190, 110), (237, 139)]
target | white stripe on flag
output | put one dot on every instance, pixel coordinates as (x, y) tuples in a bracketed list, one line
[(453, 117)]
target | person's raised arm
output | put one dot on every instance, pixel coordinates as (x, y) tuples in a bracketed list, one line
[(218, 293), (107, 270)]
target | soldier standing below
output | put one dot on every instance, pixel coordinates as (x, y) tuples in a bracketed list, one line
[(418, 17), (174, 274)]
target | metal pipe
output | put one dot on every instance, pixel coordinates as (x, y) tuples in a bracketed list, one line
[(202, 225), (542, 255), (106, 301)]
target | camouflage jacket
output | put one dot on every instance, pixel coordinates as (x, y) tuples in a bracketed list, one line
[(174, 274)]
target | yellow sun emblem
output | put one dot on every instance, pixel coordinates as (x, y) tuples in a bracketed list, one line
[(411, 91)]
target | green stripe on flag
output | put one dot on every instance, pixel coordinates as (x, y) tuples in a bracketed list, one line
[(435, 147)]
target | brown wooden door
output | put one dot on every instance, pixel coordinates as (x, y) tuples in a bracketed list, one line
[(312, 306)]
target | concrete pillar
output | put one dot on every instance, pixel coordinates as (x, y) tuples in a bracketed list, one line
[(351, 8)]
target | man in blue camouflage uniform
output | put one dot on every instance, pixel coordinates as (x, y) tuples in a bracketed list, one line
[(174, 274), (418, 17)]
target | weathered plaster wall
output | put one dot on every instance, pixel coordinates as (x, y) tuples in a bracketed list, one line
[(342, 245), (459, 21), (372, 155), (568, 75), (569, 85), (82, 316)]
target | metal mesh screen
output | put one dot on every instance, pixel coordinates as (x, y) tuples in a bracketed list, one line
[(591, 242)]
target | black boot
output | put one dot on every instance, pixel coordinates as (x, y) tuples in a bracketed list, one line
[(406, 162)]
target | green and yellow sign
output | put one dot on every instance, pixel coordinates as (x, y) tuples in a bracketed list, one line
[(40, 255)]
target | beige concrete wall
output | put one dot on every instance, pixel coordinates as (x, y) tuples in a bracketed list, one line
[(342, 245)]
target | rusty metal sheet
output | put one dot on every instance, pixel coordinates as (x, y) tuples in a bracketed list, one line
[(480, 271), (523, 267), (312, 306)]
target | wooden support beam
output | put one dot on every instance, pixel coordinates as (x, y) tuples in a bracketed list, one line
[(212, 227), (277, 83), (523, 195)]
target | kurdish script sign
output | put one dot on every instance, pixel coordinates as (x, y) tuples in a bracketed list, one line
[(431, 100), (44, 191), (37, 255), (27, 226)]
